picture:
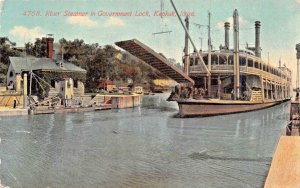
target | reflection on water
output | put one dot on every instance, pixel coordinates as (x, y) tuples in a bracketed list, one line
[(141, 147)]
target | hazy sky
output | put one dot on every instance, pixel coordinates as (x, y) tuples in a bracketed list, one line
[(280, 20)]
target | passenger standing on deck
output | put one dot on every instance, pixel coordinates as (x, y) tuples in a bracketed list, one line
[(232, 94)]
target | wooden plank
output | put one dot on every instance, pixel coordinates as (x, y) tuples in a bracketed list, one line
[(285, 167)]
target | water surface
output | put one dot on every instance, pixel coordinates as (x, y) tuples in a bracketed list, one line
[(140, 147)]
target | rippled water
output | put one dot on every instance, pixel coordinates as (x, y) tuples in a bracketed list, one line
[(141, 147)]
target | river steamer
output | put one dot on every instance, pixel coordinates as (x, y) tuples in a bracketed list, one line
[(231, 80), (223, 81)]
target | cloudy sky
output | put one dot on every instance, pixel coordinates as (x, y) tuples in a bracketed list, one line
[(279, 19)]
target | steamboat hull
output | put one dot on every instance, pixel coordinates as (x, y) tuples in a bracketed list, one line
[(208, 108)]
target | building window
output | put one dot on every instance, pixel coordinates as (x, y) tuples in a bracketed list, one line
[(11, 74), (76, 83), (53, 83)]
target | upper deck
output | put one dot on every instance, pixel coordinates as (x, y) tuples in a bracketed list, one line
[(222, 63)]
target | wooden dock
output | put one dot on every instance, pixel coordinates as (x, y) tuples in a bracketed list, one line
[(113, 102), (285, 167)]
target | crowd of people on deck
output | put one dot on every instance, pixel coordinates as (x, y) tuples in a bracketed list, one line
[(188, 91)]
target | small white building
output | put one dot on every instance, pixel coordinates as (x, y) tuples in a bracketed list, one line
[(60, 76)]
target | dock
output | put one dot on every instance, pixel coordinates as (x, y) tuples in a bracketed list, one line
[(99, 102), (285, 167), (7, 111)]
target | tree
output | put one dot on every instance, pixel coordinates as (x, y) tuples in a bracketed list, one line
[(6, 50)]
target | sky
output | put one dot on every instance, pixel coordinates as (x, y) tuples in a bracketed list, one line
[(24, 20)]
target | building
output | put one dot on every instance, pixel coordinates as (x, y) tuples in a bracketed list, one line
[(51, 77), (106, 85)]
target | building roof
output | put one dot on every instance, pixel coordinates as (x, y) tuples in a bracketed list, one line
[(20, 64), (102, 83)]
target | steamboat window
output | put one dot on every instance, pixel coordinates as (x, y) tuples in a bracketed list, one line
[(250, 63), (256, 65), (230, 60), (214, 81), (214, 60), (11, 74), (197, 61), (222, 60), (205, 59), (242, 61), (192, 60)]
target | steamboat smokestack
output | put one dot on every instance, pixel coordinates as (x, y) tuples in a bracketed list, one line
[(226, 26), (257, 39)]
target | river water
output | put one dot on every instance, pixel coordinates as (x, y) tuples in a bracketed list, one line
[(141, 147)]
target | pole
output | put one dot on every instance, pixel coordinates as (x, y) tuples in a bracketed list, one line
[(209, 58), (236, 55), (186, 48), (297, 81), (25, 90), (195, 49)]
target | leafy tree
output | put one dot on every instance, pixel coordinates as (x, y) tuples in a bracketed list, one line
[(6, 49)]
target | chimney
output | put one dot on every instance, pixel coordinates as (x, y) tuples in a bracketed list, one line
[(257, 39), (49, 40), (227, 26)]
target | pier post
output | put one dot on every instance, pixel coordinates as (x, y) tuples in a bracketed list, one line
[(25, 91), (219, 86), (262, 88)]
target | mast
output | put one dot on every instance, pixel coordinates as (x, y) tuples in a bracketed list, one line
[(236, 55), (193, 44), (186, 48), (209, 58)]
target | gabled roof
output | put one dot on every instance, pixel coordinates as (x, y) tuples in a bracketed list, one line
[(20, 64), (102, 83)]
